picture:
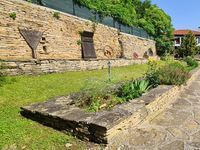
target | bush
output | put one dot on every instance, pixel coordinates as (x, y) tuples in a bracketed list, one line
[(167, 58), (173, 74), (152, 75), (134, 89), (191, 62)]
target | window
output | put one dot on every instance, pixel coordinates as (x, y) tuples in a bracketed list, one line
[(198, 40), (177, 41)]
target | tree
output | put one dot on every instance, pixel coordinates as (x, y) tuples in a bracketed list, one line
[(188, 46), (141, 7), (158, 24)]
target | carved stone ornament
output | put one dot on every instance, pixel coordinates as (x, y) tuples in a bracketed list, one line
[(32, 38)]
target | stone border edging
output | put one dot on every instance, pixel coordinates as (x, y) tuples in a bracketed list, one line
[(101, 127)]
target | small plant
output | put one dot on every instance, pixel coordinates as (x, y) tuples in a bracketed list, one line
[(56, 15), (13, 15), (79, 42), (87, 23), (134, 89), (80, 33), (95, 105), (94, 26), (191, 62)]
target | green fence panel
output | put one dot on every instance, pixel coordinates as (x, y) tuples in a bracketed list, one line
[(60, 5), (84, 12), (108, 21), (68, 6)]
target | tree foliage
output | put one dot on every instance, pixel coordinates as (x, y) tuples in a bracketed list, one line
[(140, 13), (158, 24), (188, 46)]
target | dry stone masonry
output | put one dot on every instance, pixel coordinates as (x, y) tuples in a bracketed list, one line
[(60, 41)]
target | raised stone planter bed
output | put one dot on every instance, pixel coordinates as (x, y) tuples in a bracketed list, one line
[(102, 126)]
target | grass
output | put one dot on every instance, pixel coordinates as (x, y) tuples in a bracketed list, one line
[(16, 131)]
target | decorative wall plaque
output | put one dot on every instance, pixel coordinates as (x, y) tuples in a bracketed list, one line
[(108, 51), (32, 38), (88, 50)]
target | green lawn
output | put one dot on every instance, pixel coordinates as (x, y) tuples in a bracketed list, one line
[(23, 90)]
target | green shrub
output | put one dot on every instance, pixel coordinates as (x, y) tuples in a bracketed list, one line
[(56, 15), (134, 89), (13, 15), (152, 75), (167, 57), (191, 62), (173, 74)]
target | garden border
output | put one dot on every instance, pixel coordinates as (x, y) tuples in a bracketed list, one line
[(101, 127)]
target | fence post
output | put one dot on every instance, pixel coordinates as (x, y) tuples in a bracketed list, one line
[(73, 5), (119, 27), (114, 23), (132, 30)]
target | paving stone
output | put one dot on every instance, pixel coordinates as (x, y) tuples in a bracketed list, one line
[(176, 145), (147, 137), (178, 133), (170, 117), (196, 137), (190, 126), (192, 146), (181, 104)]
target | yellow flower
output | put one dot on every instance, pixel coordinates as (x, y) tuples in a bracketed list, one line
[(151, 59)]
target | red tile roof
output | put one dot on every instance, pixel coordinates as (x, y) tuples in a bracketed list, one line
[(184, 32)]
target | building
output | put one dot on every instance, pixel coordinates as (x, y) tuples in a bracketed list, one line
[(179, 35)]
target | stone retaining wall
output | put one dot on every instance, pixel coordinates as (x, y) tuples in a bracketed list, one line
[(61, 38)]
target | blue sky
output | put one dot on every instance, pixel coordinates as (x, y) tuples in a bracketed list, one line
[(185, 14)]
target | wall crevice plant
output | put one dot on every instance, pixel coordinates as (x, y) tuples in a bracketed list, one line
[(13, 15), (56, 15)]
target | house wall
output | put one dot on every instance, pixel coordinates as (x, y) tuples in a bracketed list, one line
[(61, 37), (180, 37)]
